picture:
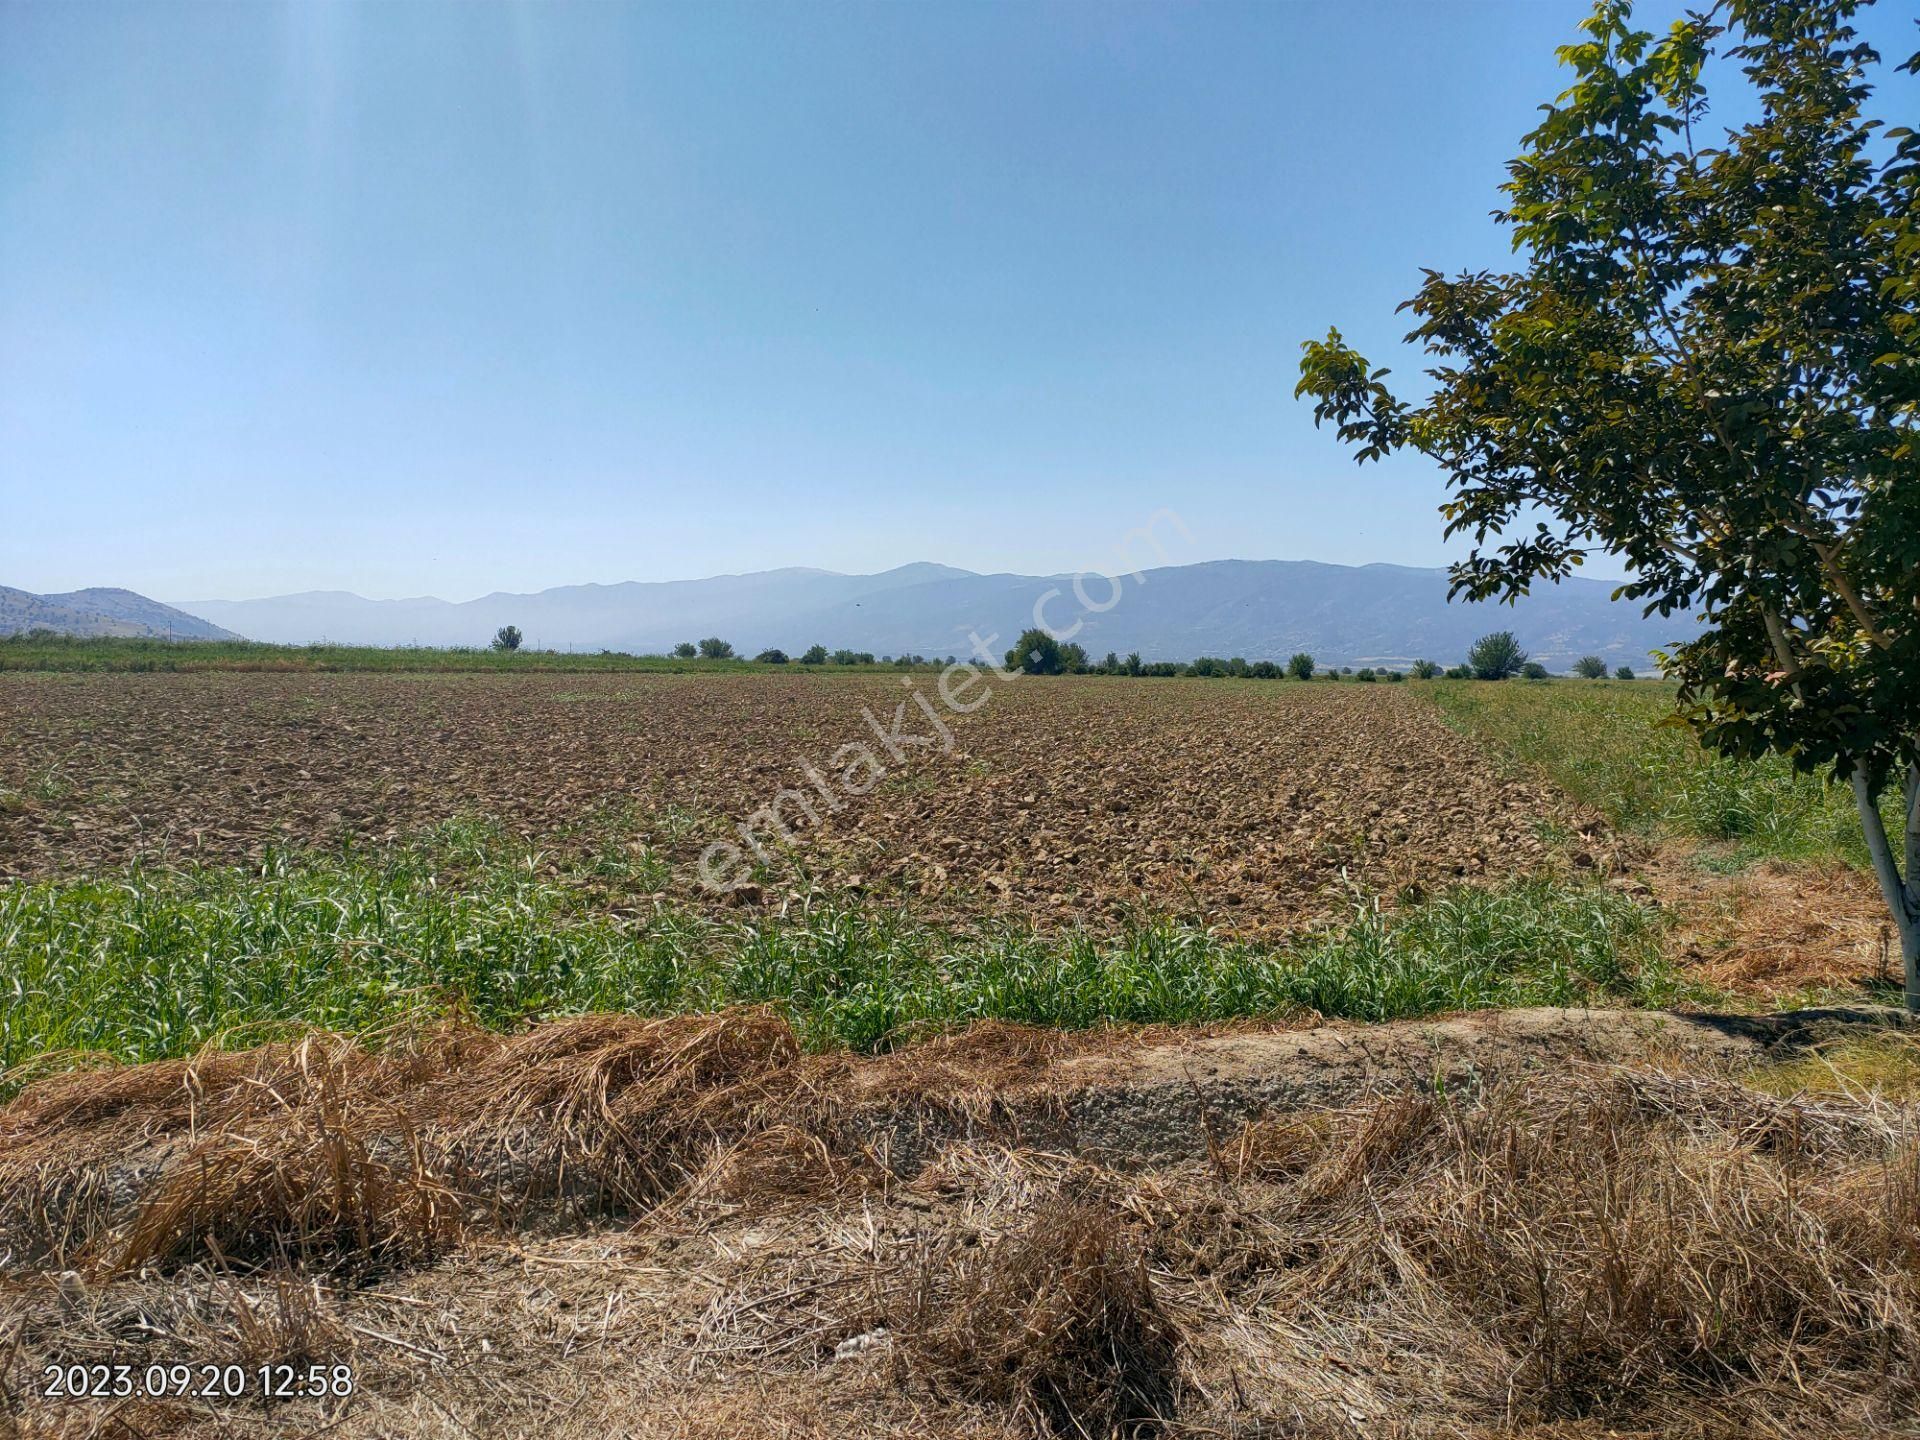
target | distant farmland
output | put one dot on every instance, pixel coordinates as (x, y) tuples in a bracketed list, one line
[(1245, 804)]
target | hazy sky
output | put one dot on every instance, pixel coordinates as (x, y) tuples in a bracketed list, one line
[(413, 298)]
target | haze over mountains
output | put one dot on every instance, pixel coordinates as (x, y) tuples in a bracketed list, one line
[(1254, 608)]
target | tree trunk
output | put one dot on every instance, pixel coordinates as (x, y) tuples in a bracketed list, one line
[(1902, 894), (1910, 937)]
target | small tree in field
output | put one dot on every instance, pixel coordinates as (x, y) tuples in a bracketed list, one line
[(1590, 667), (816, 655), (507, 637), (714, 648), (1533, 670), (1425, 670), (685, 650), (771, 657), (1496, 656), (1625, 672), (1706, 362), (1037, 653), (1300, 667)]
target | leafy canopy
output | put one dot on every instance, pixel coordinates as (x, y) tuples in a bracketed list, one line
[(1037, 653), (1496, 656), (1707, 362)]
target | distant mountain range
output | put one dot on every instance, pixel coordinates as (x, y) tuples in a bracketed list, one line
[(1342, 614), (102, 612)]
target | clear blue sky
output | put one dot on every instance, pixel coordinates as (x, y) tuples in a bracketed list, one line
[(420, 298)]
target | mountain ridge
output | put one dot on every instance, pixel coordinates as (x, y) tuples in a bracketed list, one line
[(1378, 613)]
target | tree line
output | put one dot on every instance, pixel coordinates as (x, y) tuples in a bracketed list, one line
[(1497, 656)]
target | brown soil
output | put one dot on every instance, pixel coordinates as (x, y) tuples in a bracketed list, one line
[(1062, 798), (1343, 1230)]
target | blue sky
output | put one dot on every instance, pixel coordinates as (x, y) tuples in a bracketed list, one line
[(420, 298)]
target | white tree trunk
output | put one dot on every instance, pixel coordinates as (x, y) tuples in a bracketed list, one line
[(1902, 893)]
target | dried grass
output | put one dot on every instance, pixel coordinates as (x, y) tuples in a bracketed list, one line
[(290, 1323), (1639, 1252), (631, 1108), (314, 1158), (324, 1148), (296, 1145), (1601, 1250), (314, 1187), (1780, 929), (984, 1060), (1056, 1321), (779, 1168)]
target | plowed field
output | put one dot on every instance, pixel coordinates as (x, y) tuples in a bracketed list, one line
[(1068, 799)]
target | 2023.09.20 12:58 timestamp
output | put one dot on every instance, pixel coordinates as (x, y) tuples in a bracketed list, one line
[(197, 1382)]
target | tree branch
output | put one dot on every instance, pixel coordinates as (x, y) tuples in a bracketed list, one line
[(1782, 642), (1861, 611)]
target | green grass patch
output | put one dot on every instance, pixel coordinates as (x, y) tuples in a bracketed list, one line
[(1884, 1065), (159, 963), (1603, 743)]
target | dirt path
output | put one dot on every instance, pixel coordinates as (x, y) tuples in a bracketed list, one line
[(1159, 1103)]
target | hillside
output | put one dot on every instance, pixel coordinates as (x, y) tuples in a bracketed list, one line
[(635, 615), (1340, 613), (101, 611)]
